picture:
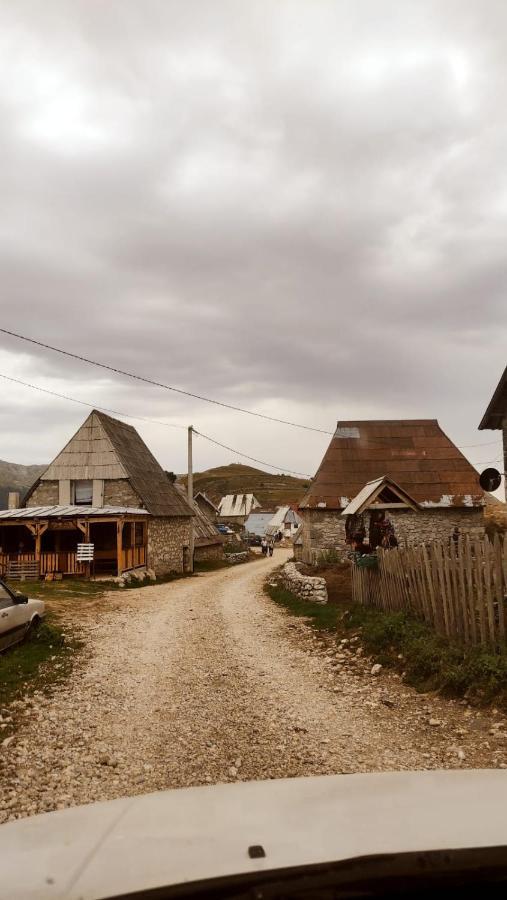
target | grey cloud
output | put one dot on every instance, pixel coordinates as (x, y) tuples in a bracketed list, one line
[(297, 201)]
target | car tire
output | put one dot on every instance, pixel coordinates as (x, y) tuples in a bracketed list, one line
[(33, 626)]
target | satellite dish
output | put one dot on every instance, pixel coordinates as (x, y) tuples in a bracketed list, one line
[(490, 479)]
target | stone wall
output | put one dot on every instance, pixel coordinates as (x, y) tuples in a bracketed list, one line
[(167, 538), (119, 492), (45, 494), (232, 559), (422, 527), (307, 587), (209, 551), (325, 529)]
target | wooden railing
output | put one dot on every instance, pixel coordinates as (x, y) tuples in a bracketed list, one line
[(133, 557), (15, 561), (63, 561), (460, 589)]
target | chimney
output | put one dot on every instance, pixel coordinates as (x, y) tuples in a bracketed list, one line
[(13, 501)]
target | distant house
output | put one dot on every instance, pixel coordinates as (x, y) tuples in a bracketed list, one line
[(390, 481), (285, 521), (208, 542), (106, 488), (206, 506), (495, 417), (235, 508), (258, 521)]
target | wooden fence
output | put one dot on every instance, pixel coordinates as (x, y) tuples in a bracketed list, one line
[(460, 588)]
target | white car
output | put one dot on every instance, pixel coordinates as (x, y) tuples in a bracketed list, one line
[(394, 834), (18, 614)]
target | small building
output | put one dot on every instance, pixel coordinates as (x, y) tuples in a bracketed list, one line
[(105, 488), (206, 506), (285, 522), (234, 509), (297, 544), (258, 521), (495, 417), (208, 542), (398, 480)]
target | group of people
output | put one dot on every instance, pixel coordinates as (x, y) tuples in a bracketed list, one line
[(267, 545)]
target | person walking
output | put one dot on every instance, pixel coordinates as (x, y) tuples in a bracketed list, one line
[(264, 546)]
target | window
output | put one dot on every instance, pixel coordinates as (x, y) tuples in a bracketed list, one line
[(83, 493), (5, 598)]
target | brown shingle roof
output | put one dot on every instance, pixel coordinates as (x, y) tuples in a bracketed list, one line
[(205, 532), (415, 453), (143, 471), (497, 409)]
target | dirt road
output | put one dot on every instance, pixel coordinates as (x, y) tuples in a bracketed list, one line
[(205, 680)]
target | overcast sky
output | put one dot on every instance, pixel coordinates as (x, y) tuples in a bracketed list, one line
[(299, 208)]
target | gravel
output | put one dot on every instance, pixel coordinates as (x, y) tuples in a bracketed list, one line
[(206, 680)]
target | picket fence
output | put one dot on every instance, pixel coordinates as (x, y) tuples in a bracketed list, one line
[(460, 588)]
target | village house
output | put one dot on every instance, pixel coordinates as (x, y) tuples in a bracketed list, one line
[(106, 488), (206, 506), (234, 509), (495, 418), (400, 481), (285, 522)]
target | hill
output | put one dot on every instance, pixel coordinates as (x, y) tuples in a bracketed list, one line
[(270, 490), (14, 477)]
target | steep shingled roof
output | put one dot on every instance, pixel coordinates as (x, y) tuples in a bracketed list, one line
[(497, 409), (106, 448), (415, 453)]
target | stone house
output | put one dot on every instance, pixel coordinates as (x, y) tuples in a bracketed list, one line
[(401, 481), (495, 418), (105, 487)]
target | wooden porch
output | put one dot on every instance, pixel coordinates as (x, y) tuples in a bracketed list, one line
[(34, 548)]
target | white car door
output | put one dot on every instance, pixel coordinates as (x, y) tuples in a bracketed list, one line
[(13, 618)]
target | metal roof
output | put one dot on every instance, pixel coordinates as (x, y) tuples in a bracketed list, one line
[(284, 515), (414, 453), (237, 504), (70, 512), (257, 522), (371, 491)]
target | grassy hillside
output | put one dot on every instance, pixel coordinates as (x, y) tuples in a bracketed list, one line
[(16, 478), (270, 490)]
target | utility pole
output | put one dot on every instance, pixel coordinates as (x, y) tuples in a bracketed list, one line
[(190, 495)]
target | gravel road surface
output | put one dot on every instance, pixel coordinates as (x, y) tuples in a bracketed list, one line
[(206, 680)]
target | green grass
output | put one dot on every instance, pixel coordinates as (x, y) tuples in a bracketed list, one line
[(22, 667), (323, 618), (429, 662)]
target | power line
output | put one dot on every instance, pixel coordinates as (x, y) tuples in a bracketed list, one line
[(145, 380), (159, 384), (116, 412), (252, 458)]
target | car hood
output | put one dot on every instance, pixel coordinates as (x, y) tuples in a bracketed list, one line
[(180, 836)]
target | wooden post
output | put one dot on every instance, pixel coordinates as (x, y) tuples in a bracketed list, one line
[(37, 545), (190, 495), (119, 550)]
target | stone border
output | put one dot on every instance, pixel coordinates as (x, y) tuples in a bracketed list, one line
[(234, 558), (306, 587)]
